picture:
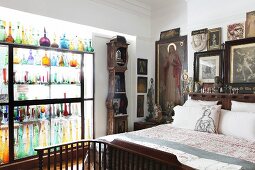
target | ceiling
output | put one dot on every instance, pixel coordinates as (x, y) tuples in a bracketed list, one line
[(155, 4)]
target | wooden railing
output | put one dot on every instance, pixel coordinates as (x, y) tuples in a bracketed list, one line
[(102, 155)]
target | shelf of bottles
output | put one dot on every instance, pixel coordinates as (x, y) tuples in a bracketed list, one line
[(54, 74), (4, 74), (43, 125)]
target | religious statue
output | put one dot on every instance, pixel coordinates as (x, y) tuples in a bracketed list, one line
[(150, 100)]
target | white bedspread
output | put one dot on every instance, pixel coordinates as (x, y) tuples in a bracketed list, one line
[(220, 144)]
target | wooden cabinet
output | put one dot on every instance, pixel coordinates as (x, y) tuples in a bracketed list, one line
[(117, 102)]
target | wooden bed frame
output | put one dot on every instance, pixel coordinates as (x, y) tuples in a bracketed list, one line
[(120, 155)]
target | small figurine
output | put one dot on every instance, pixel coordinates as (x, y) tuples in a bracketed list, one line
[(217, 84)]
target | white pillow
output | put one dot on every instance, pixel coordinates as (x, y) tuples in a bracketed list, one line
[(196, 118), (242, 106), (238, 124), (191, 102)]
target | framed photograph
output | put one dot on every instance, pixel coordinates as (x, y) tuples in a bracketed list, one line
[(140, 106), (207, 65), (142, 66), (250, 24), (141, 84), (235, 31), (199, 39), (240, 65), (214, 39), (164, 35), (171, 61)]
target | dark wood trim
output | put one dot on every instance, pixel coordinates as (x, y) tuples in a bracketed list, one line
[(223, 98)]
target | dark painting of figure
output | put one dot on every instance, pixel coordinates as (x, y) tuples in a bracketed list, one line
[(171, 60), (243, 67)]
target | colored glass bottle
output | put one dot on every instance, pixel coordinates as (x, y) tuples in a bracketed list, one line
[(61, 61), (1, 145), (55, 44), (27, 139), (16, 58), (6, 148), (80, 45), (45, 60), (64, 43), (35, 137), (21, 149), (53, 60), (73, 61), (44, 41), (30, 59), (90, 48), (71, 46), (23, 36), (65, 108), (2, 30), (31, 149), (18, 39), (9, 38)]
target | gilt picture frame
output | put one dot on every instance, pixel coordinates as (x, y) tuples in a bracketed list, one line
[(171, 61), (142, 84), (214, 39), (240, 65)]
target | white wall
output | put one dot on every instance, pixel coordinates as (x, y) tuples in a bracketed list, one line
[(109, 17), (208, 14)]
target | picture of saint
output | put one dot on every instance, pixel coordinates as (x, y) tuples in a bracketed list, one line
[(244, 65), (235, 31), (171, 63), (250, 24)]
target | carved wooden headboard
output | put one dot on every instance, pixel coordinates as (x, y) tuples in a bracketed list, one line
[(223, 98)]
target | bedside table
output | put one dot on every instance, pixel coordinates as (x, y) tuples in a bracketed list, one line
[(144, 125)]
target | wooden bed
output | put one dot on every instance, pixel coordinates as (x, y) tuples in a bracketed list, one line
[(119, 154)]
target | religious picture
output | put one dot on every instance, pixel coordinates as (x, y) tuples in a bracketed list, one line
[(142, 66), (214, 40), (207, 65), (235, 31), (250, 24), (243, 64), (199, 39), (171, 60)]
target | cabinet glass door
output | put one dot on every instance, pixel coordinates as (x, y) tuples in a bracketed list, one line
[(65, 75), (31, 71), (4, 74), (88, 119), (4, 134), (88, 75), (31, 129)]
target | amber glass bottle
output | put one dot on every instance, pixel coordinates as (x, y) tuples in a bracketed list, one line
[(9, 38)]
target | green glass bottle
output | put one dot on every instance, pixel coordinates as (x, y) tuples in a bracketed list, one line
[(18, 39), (21, 149), (90, 48), (36, 137), (2, 31)]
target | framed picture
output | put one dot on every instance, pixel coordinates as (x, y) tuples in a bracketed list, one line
[(171, 61), (164, 35), (240, 65), (214, 39), (207, 65), (141, 84), (199, 39), (140, 106), (116, 105), (250, 24), (142, 66), (235, 31)]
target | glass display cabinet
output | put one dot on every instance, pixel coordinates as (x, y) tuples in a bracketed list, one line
[(46, 98)]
